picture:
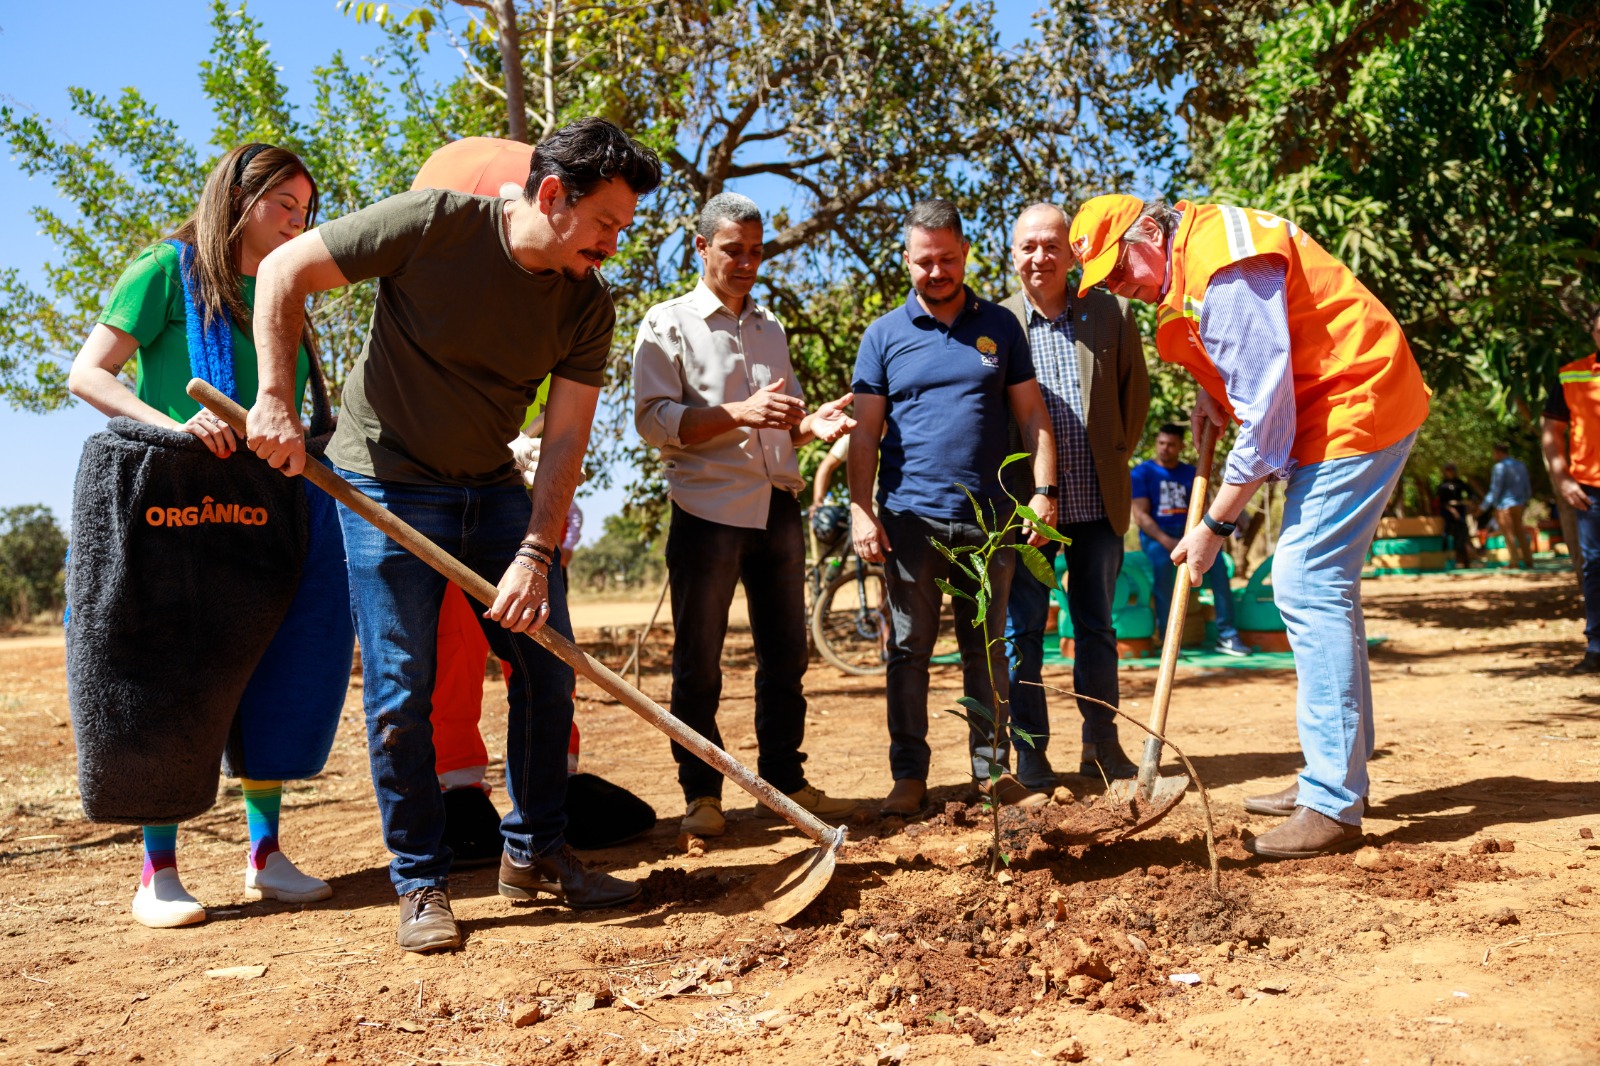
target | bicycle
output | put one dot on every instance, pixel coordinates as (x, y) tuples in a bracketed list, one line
[(847, 601)]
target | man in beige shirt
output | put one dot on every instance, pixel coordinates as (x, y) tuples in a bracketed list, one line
[(714, 390)]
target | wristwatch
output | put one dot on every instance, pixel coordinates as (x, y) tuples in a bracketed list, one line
[(1052, 491), (1221, 529)]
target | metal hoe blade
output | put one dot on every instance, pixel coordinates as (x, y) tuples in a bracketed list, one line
[(793, 884)]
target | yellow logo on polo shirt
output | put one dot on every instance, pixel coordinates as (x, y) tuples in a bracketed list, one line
[(987, 351)]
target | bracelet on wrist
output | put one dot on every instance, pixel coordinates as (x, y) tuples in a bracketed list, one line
[(530, 568), (531, 553)]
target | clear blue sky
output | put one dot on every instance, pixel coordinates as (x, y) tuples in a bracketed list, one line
[(107, 47)]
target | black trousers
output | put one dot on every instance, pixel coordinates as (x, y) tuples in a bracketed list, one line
[(705, 560)]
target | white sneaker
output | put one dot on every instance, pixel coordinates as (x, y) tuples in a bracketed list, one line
[(280, 880), (164, 904)]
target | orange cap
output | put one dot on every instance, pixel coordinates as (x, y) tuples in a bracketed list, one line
[(1096, 229), (476, 165)]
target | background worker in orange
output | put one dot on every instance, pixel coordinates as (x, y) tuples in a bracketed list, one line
[(1573, 411), (1283, 338)]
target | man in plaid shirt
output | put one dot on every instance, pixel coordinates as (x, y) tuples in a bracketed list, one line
[(1090, 362)]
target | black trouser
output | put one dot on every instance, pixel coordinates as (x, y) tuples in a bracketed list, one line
[(1456, 530), (704, 561), (914, 602)]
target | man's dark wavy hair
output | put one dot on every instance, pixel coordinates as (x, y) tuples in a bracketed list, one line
[(584, 153)]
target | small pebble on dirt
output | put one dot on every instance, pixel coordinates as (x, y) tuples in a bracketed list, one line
[(1069, 1050), (1504, 916), (1370, 859), (1063, 795), (526, 1016), (1585, 833)]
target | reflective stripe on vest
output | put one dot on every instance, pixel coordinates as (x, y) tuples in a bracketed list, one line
[(1357, 385)]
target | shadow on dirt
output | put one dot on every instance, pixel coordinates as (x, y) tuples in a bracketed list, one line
[(1434, 815)]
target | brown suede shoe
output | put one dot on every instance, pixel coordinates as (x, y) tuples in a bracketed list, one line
[(1009, 792), (906, 800), (1305, 835), (1282, 804)]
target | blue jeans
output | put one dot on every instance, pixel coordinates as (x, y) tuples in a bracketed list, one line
[(705, 560), (1167, 573), (914, 603), (1330, 514), (396, 599), (1094, 559), (1589, 546)]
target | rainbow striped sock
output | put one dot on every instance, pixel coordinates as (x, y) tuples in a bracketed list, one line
[(262, 799), (160, 850)]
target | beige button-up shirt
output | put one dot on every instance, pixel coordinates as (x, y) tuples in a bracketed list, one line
[(692, 352)]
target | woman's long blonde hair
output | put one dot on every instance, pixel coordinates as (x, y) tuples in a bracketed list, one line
[(234, 187)]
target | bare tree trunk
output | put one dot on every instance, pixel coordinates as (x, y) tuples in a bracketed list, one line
[(509, 38), (550, 66)]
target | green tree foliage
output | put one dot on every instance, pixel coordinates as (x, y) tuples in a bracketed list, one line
[(836, 115), (1445, 151), (627, 556), (33, 553), (133, 179)]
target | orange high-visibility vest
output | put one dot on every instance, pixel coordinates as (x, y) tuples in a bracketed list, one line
[(1357, 387), (1580, 384)]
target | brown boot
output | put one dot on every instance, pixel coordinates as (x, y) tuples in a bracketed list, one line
[(1305, 835), (906, 799), (1281, 804), (1009, 792)]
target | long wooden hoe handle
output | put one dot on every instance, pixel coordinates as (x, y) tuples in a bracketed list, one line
[(1172, 645), (563, 649)]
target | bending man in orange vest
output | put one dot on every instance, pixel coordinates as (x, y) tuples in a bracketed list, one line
[(1282, 338)]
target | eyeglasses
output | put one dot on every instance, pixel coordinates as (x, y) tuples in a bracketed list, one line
[(1115, 273)]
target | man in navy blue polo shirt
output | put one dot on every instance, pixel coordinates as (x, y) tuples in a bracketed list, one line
[(938, 376), (1161, 510)]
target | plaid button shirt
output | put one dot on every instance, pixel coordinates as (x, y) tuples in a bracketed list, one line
[(1055, 361)]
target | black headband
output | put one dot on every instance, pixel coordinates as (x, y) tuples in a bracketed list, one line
[(244, 161)]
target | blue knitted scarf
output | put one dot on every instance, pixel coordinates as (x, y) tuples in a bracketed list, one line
[(210, 349)]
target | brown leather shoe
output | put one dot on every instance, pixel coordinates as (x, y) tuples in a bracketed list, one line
[(906, 800), (1009, 792), (1305, 835), (563, 875), (1282, 804), (426, 922)]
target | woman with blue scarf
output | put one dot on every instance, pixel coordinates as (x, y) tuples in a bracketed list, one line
[(209, 618)]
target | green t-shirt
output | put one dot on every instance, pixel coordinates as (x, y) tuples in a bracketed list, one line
[(147, 302), (462, 337)]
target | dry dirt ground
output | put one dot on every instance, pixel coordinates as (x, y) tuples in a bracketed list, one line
[(1467, 932)]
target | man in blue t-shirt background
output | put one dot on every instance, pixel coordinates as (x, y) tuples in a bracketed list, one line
[(1160, 509), (938, 375)]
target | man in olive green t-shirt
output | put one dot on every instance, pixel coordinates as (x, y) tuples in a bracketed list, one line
[(479, 300)]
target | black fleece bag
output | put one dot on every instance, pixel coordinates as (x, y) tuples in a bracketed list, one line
[(182, 568)]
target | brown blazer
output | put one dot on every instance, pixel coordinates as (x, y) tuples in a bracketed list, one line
[(1116, 397)]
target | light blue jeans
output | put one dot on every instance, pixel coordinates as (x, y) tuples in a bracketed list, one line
[(1330, 515)]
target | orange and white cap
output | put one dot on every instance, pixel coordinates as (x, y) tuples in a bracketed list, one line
[(1096, 229), (476, 165)]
